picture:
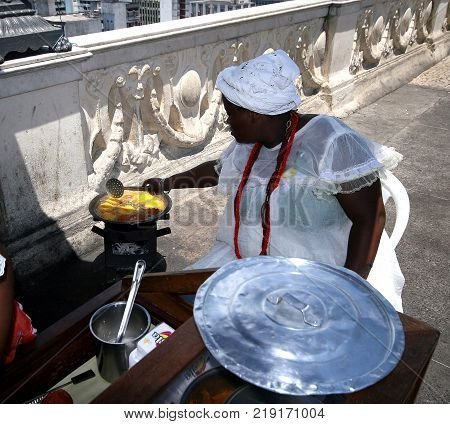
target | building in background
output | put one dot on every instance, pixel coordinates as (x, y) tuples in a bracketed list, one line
[(68, 7), (207, 7), (264, 2), (149, 12), (133, 16), (51, 7), (117, 14), (171, 10), (114, 15), (77, 24), (90, 8)]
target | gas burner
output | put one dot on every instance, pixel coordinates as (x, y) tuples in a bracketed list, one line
[(128, 241), (125, 244)]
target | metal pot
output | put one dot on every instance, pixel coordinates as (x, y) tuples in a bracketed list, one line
[(153, 218), (112, 357), (213, 386), (249, 394), (218, 385)]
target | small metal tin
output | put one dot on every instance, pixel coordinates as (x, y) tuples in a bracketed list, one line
[(298, 327)]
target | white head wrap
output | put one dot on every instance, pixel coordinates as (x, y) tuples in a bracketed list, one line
[(264, 85)]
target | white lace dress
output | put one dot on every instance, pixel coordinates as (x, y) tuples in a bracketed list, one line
[(307, 220)]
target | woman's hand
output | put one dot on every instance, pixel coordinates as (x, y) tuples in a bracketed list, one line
[(365, 209)]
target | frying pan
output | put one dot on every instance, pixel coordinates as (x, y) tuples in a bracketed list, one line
[(97, 216)]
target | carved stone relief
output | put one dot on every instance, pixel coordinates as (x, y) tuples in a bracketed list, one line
[(306, 45), (391, 30), (132, 111), (423, 21), (446, 23), (121, 140), (372, 39), (184, 105), (357, 56), (310, 54), (403, 30), (129, 113)]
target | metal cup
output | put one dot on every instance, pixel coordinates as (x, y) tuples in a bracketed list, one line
[(112, 357)]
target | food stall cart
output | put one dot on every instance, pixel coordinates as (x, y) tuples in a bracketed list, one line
[(68, 344)]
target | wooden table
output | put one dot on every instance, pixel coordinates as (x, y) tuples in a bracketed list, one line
[(68, 344)]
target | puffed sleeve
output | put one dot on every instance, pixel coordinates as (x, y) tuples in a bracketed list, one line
[(344, 161)]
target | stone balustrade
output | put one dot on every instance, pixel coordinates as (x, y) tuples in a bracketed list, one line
[(141, 101)]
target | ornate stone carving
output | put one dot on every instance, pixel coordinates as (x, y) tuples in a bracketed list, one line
[(403, 29), (380, 34), (225, 55), (446, 25), (240, 51), (357, 56), (371, 39), (371, 43), (192, 116), (389, 43), (309, 56), (190, 87), (103, 166), (122, 107), (423, 20), (141, 145), (130, 113)]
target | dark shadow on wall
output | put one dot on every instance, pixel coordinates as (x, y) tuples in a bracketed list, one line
[(33, 239)]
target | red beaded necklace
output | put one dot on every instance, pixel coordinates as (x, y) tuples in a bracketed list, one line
[(271, 186)]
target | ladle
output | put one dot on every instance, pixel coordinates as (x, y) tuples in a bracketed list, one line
[(115, 187), (137, 277)]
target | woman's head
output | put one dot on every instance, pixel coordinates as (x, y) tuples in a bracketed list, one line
[(249, 127), (258, 93)]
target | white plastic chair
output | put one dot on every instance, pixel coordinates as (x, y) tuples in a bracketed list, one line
[(392, 187)]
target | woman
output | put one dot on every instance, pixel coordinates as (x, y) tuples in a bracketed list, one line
[(300, 185)]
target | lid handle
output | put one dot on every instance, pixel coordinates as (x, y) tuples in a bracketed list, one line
[(309, 317)]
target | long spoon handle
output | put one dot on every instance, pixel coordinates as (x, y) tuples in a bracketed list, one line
[(137, 277)]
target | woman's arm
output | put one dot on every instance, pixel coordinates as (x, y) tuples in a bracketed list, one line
[(201, 176), (365, 209), (6, 302)]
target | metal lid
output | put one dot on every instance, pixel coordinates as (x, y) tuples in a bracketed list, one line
[(298, 327)]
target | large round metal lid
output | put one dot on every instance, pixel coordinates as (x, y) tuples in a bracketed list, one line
[(298, 327)]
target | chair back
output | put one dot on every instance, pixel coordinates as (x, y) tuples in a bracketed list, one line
[(392, 187)]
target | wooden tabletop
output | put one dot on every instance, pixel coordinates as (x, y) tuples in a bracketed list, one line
[(142, 382), (68, 344)]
